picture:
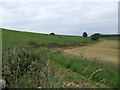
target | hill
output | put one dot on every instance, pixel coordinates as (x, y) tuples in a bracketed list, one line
[(36, 60), (17, 38)]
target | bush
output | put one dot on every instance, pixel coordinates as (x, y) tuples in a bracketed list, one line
[(52, 33), (85, 34), (95, 36)]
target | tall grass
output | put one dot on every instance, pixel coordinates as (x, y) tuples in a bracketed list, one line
[(31, 66), (32, 70), (23, 63), (92, 69)]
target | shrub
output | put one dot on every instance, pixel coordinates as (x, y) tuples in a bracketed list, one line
[(95, 36)]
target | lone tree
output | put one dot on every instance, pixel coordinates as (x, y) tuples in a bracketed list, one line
[(52, 33), (95, 36), (85, 34)]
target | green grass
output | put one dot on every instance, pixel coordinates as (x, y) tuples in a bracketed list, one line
[(111, 38), (38, 70), (16, 39), (88, 66), (26, 50)]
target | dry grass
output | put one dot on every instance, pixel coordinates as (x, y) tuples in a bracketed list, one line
[(105, 50)]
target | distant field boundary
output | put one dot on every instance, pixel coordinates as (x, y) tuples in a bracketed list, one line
[(110, 35)]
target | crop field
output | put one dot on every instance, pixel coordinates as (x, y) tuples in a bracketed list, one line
[(105, 50), (45, 61)]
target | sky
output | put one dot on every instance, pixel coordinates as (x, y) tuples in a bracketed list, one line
[(66, 18)]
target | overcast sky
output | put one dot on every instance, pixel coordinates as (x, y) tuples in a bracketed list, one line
[(69, 18)]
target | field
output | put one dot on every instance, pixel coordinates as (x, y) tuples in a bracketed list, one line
[(17, 39), (43, 61), (112, 38), (105, 50)]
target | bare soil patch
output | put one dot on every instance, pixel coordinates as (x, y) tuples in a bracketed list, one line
[(105, 50)]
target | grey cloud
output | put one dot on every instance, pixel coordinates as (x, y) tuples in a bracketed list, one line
[(64, 18)]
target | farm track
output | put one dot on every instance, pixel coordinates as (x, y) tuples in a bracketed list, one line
[(105, 50)]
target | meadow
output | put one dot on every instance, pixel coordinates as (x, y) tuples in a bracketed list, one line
[(15, 39), (37, 61)]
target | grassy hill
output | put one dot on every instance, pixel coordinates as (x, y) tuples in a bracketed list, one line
[(16, 38), (34, 64)]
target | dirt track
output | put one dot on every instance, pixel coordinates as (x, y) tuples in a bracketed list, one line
[(105, 50)]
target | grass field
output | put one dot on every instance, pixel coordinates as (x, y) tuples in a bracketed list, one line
[(37, 60), (16, 39), (112, 38)]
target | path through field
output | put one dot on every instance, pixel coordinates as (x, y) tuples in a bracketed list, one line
[(106, 50)]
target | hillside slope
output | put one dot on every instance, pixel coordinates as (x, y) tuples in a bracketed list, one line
[(34, 64), (16, 38)]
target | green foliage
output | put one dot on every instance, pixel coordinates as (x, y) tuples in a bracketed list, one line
[(85, 34), (86, 67), (52, 33), (95, 36), (22, 62), (31, 70)]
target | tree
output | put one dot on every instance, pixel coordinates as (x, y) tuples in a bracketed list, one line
[(85, 34), (95, 36), (52, 33)]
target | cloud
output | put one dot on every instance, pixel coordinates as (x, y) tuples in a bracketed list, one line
[(60, 17)]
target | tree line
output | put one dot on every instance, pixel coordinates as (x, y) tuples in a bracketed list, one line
[(94, 37)]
